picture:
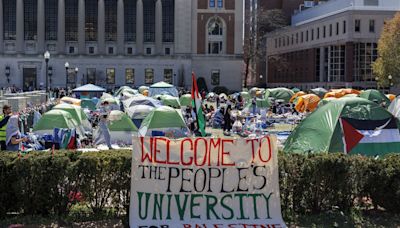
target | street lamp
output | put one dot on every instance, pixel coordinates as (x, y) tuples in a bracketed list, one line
[(50, 75), (66, 74), (76, 75), (47, 58)]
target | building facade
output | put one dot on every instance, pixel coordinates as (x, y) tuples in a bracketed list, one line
[(331, 45), (121, 42)]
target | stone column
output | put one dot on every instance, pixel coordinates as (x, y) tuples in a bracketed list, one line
[(61, 27), (120, 28), (1, 29), (139, 27), (101, 27), (20, 27), (81, 27), (40, 27), (158, 28)]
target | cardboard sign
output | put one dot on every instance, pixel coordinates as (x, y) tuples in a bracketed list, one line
[(205, 182)]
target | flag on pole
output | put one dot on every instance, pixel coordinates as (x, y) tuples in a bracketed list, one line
[(197, 106)]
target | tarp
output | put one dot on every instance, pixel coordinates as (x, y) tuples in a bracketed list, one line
[(186, 100), (375, 96), (70, 100), (162, 119), (89, 88), (163, 88), (55, 119), (307, 103), (322, 132), (279, 94), (319, 92)]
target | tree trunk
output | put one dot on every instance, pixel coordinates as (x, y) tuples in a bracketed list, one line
[(246, 74)]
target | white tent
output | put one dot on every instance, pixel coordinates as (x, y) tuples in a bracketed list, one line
[(394, 107)]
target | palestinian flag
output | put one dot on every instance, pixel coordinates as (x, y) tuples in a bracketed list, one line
[(198, 107), (370, 137)]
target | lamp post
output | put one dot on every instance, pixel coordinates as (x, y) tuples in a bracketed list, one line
[(390, 82), (7, 71), (47, 58), (66, 74), (76, 75), (50, 75)]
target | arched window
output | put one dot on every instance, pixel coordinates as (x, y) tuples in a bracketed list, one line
[(215, 36)]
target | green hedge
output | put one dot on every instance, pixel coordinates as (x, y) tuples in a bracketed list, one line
[(47, 185)]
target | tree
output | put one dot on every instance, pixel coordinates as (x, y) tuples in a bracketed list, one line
[(260, 23), (388, 62)]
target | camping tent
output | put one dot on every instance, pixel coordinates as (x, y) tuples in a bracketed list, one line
[(141, 100), (77, 114), (391, 97), (325, 101), (296, 95), (163, 88), (89, 88), (121, 129), (375, 95), (138, 112), (319, 92), (245, 95), (89, 104), (126, 90), (70, 100), (322, 130), (164, 121), (394, 107), (171, 101), (55, 119), (186, 100), (279, 94), (307, 103)]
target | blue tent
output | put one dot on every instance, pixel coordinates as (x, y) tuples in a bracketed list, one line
[(89, 88)]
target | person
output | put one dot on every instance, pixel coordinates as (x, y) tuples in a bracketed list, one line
[(14, 138), (3, 125), (103, 123), (254, 106), (227, 119)]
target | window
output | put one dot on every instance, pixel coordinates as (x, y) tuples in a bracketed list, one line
[(30, 19), (168, 76), (312, 34), (337, 28), (212, 3), (91, 50), (110, 78), (167, 51), (307, 36), (130, 76), (129, 51), (337, 63), (371, 2), (90, 20), (357, 25), (215, 36), (148, 51), (365, 55), (51, 12), (215, 77), (324, 35), (371, 25), (110, 50), (110, 20), (149, 16), (71, 20), (168, 16), (91, 75), (292, 39), (344, 27), (9, 19), (330, 30), (71, 50), (302, 37), (318, 33), (220, 3), (276, 43), (280, 42), (297, 38), (149, 76), (130, 20)]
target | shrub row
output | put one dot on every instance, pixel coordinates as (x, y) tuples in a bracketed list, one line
[(48, 185)]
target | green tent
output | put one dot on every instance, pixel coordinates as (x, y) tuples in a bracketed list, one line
[(88, 103), (245, 95), (321, 131), (76, 112), (55, 119), (119, 121), (171, 101), (375, 96), (279, 94), (326, 101), (163, 117), (186, 99), (262, 103), (319, 92), (296, 90)]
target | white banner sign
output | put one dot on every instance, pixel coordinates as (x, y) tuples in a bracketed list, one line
[(204, 183)]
